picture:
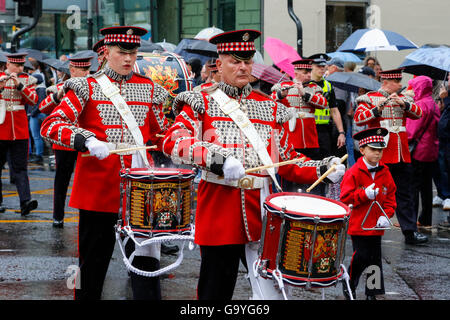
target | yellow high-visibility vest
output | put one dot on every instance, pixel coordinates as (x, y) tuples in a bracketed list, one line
[(322, 116)]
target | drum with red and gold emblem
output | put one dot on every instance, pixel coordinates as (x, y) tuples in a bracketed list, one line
[(303, 239)]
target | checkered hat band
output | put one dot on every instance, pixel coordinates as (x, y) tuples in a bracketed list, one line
[(235, 46), (302, 66), (101, 49), (371, 139), (391, 75), (122, 38), (80, 64), (16, 60)]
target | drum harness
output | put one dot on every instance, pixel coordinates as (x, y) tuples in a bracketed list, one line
[(113, 93)]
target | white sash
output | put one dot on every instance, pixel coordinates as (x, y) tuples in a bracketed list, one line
[(113, 93), (231, 108)]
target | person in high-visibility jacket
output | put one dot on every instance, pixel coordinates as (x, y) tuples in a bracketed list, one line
[(323, 123)]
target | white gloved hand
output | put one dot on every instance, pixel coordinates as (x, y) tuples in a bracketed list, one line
[(97, 148), (337, 174), (383, 222), (233, 169), (371, 193)]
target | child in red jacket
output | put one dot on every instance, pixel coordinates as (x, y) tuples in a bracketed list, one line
[(368, 180)]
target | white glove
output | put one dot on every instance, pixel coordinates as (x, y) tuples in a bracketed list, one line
[(97, 148), (233, 169), (339, 171), (383, 222), (371, 193)]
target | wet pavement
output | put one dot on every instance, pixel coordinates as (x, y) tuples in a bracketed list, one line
[(35, 258)]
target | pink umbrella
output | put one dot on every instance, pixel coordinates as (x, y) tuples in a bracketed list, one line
[(281, 54), (267, 73)]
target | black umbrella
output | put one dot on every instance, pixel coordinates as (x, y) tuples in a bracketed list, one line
[(148, 46), (202, 47), (420, 69), (351, 81), (35, 54), (185, 49)]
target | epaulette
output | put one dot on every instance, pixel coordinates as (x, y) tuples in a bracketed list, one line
[(79, 85), (364, 98), (160, 94), (193, 98)]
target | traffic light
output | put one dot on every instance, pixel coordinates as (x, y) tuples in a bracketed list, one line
[(29, 8)]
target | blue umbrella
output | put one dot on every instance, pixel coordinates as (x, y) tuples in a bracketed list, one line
[(436, 57), (345, 56), (351, 81), (376, 40)]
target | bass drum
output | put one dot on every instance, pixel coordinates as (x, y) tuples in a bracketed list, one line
[(168, 70)]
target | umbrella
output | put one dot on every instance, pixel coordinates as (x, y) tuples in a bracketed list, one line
[(418, 69), (3, 57), (281, 54), (35, 54), (266, 73), (345, 56), (436, 58), (202, 47), (208, 33), (148, 46), (182, 47), (376, 40), (351, 81), (167, 46)]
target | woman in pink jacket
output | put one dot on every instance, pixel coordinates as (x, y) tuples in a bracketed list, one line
[(425, 154)]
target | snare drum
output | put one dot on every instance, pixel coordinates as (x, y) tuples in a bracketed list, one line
[(156, 201), (303, 239)]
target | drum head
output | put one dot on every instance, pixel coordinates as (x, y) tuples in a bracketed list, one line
[(299, 206)]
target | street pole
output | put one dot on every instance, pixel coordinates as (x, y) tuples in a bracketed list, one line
[(90, 24), (298, 24), (37, 13)]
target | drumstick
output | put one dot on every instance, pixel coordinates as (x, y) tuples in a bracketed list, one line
[(124, 150), (325, 174), (279, 164), (159, 135)]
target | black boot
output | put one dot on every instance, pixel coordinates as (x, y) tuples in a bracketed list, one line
[(145, 288), (27, 206)]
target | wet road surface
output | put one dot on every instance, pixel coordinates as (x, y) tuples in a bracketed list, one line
[(35, 257)]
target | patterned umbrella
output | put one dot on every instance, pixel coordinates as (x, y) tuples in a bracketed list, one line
[(376, 40), (267, 73)]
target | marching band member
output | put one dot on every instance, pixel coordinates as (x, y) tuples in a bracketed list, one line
[(388, 109), (368, 180), (16, 89), (112, 109), (224, 130), (65, 158), (99, 48), (302, 97)]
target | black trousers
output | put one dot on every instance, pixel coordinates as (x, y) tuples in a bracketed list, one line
[(18, 152), (96, 240), (218, 271), (406, 215), (65, 164), (366, 253), (422, 185)]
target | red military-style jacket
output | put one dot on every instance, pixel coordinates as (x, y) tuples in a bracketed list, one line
[(86, 112), (305, 132), (15, 125), (49, 104), (393, 117), (353, 186), (203, 136)]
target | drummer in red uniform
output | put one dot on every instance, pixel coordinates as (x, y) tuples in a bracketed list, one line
[(302, 97), (90, 118), (65, 158), (217, 129), (367, 181), (16, 89), (389, 109)]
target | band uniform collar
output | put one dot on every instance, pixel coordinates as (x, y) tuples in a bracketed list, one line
[(235, 92), (116, 76)]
